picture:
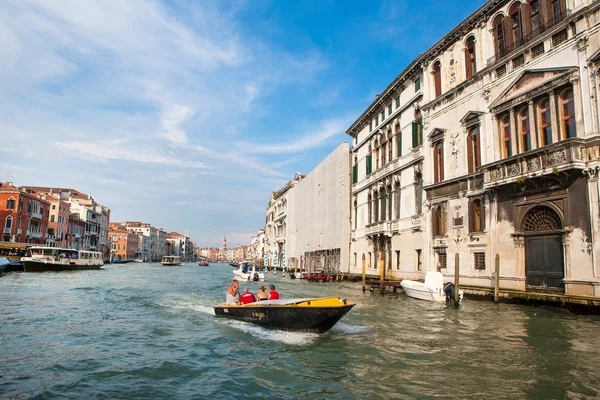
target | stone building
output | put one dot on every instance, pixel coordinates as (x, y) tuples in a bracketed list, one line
[(505, 148), (276, 226)]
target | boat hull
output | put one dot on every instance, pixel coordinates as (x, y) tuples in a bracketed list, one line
[(40, 266), (296, 317), (418, 291)]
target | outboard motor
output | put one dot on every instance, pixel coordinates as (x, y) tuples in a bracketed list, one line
[(449, 291), (256, 277)]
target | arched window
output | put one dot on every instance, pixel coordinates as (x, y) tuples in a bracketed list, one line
[(397, 208), (439, 221), (524, 131), (376, 208), (473, 150), (10, 203), (390, 202), (437, 78), (438, 162), (8, 223), (383, 199), (477, 216), (536, 17), (470, 61), (567, 114), (417, 129), (506, 136), (370, 204), (544, 121), (384, 152), (390, 147), (498, 26), (516, 24), (418, 193), (369, 163), (399, 145), (377, 155)]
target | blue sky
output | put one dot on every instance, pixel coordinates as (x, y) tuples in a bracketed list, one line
[(187, 114)]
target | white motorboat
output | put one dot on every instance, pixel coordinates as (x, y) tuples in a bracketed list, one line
[(431, 290), (248, 271), (57, 259)]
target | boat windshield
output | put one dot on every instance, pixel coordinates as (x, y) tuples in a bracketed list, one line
[(44, 252)]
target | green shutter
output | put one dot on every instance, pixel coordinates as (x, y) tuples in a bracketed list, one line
[(415, 134), (420, 130), (355, 173), (400, 144), (368, 164)]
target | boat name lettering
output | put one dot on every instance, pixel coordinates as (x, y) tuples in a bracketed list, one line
[(258, 315)]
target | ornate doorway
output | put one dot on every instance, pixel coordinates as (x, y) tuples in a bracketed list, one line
[(544, 261)]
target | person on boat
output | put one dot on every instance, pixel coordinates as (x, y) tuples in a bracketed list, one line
[(233, 294), (261, 295), (273, 294), (247, 297)]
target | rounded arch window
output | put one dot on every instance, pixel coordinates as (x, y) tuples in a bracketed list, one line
[(542, 219), (470, 59), (437, 78), (567, 114)]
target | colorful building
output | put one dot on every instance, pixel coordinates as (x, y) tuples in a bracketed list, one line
[(23, 216)]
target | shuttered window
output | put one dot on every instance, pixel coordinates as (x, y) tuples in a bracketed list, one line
[(399, 144), (368, 164), (355, 173)]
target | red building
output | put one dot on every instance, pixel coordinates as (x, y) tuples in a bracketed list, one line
[(75, 232), (124, 244), (23, 216)]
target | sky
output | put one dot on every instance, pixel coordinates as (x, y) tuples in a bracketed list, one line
[(188, 114)]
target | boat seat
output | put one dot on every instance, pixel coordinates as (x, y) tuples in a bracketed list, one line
[(434, 279)]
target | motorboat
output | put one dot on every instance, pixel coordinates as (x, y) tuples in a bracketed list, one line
[(433, 289), (203, 263), (4, 262), (56, 259), (310, 315), (248, 271), (171, 260)]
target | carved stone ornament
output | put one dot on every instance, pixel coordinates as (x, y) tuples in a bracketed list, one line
[(486, 94), (591, 172), (457, 237), (518, 242), (582, 43)]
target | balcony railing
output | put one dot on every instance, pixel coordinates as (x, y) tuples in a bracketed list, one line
[(528, 36), (7, 231), (36, 215), (378, 228), (35, 235), (570, 153)]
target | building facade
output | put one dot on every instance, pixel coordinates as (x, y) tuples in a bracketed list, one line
[(321, 198), (23, 216), (509, 146)]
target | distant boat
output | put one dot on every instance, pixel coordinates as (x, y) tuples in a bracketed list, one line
[(171, 260), (203, 263), (248, 271), (57, 259)]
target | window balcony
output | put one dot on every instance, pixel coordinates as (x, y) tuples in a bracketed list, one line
[(7, 231), (380, 228), (552, 159), (34, 235), (36, 215), (280, 216)]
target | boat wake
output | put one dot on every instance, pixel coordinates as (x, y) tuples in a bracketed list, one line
[(274, 335), (340, 327), (186, 304)]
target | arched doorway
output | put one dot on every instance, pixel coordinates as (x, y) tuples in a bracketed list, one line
[(544, 261)]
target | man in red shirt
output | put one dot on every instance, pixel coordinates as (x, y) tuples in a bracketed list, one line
[(273, 295), (247, 297)]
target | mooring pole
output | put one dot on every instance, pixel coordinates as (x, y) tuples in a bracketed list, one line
[(497, 280), (381, 272), (364, 273), (456, 283)]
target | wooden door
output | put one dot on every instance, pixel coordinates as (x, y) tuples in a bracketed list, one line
[(544, 263)]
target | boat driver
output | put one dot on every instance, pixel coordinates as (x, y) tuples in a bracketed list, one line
[(233, 294), (273, 294)]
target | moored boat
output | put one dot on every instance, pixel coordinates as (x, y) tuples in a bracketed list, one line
[(4, 262), (311, 315), (44, 259), (248, 271), (171, 260), (433, 289)]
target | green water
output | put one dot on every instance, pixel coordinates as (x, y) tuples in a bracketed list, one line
[(144, 331)]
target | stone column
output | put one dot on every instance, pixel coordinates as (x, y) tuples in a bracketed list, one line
[(594, 222), (554, 118), (532, 125), (514, 135)]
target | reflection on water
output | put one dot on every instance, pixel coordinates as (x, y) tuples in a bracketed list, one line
[(147, 331)]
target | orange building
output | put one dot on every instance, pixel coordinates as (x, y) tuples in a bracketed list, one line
[(23, 216), (124, 244)]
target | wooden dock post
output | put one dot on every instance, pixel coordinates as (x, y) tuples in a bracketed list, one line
[(497, 280), (364, 273), (381, 273), (456, 281)]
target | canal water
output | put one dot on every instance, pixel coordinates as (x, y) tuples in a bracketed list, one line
[(145, 331)]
